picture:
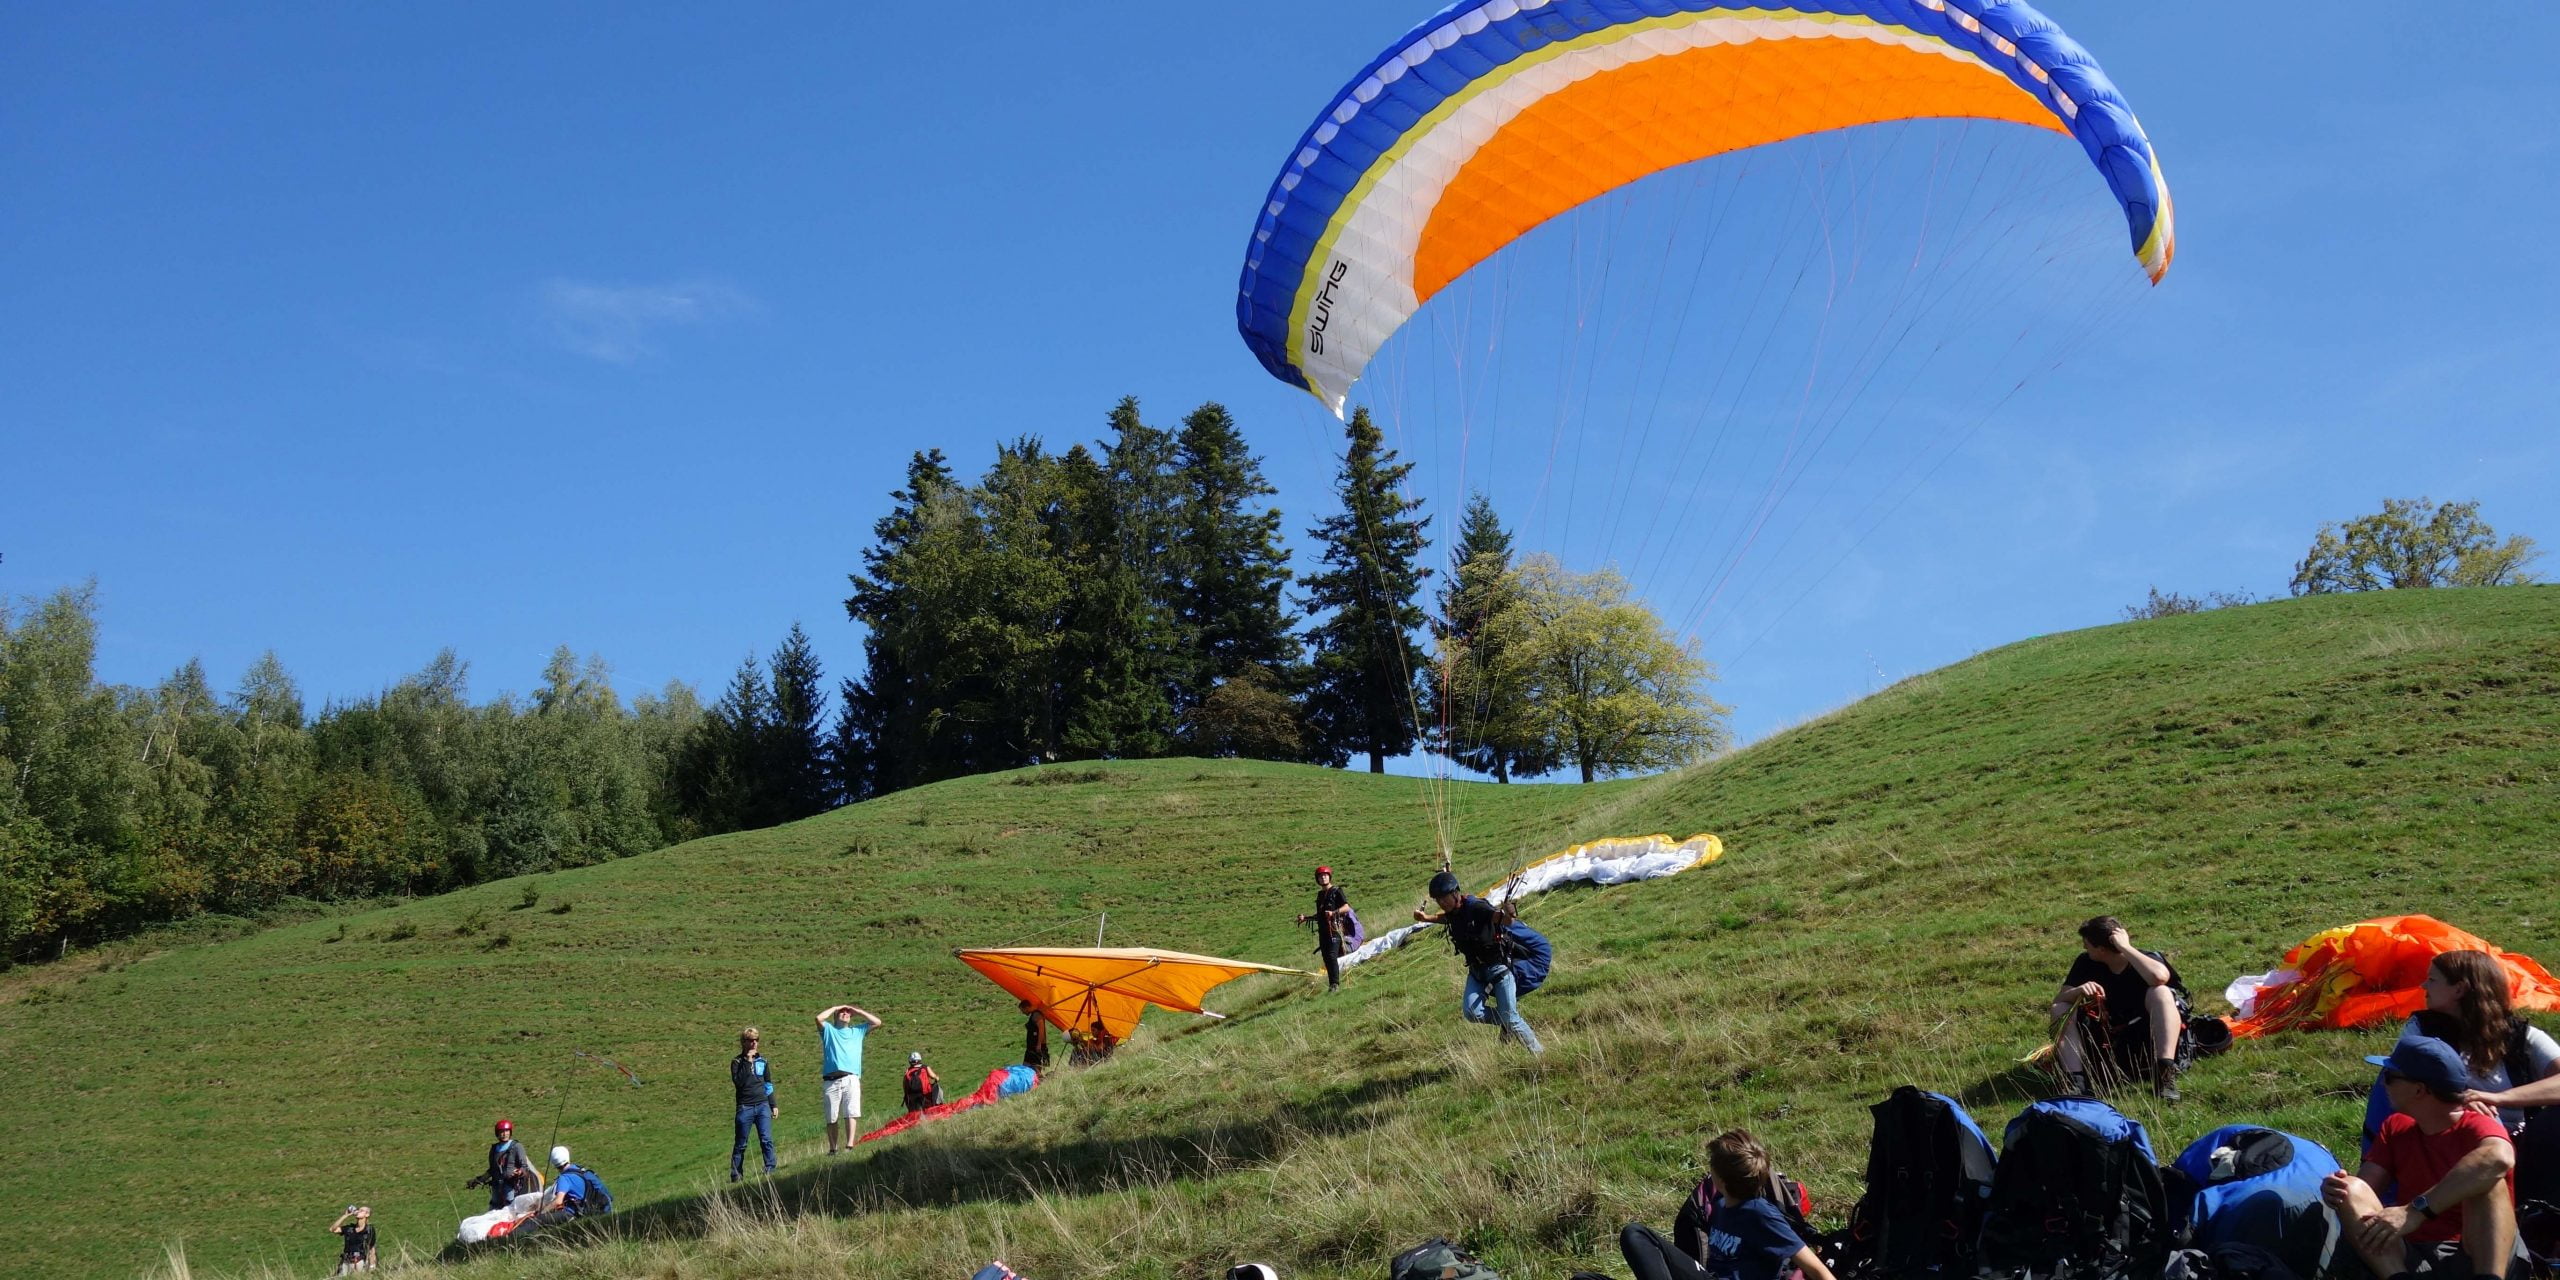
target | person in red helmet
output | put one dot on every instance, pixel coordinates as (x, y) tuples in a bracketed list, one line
[(1331, 915), (511, 1172)]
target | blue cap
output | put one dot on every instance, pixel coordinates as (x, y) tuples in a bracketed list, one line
[(2429, 1061)]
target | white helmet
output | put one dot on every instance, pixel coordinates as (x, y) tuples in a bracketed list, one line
[(559, 1157)]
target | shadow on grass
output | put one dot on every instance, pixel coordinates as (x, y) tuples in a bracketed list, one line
[(2012, 1087), (910, 1174)]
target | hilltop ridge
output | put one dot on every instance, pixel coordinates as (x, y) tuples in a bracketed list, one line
[(1895, 906)]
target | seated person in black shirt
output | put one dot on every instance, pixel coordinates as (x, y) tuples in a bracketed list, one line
[(2123, 1014)]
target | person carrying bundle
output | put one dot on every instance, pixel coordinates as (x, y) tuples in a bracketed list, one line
[(1476, 931), (510, 1172), (1332, 926)]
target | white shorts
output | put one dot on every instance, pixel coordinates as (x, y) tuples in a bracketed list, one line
[(844, 1098)]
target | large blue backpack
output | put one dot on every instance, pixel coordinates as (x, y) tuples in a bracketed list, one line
[(599, 1199), (1929, 1171), (2077, 1195), (1531, 956), (2245, 1185)]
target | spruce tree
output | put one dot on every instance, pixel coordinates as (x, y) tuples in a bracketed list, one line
[(797, 781), (720, 768), (1114, 640), (1227, 595), (880, 740), (1366, 661), (1478, 698)]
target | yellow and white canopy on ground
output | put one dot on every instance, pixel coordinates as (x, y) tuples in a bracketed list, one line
[(1076, 986)]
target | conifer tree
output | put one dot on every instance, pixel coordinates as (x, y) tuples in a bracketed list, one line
[(879, 743), (796, 780), (1114, 641), (1364, 696), (1479, 701), (1232, 569), (717, 784)]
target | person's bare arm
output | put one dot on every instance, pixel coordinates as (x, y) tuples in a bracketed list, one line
[(2541, 1093), (862, 1013), (1810, 1263), (2152, 971), (2486, 1166)]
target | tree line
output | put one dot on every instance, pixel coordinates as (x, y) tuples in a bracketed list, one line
[(1134, 598), (123, 805), (1125, 599)]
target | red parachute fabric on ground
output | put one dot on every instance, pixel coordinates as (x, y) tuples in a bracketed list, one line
[(2362, 974), (987, 1092)]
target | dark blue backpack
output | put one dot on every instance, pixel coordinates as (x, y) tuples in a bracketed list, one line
[(2078, 1195), (1531, 956), (1929, 1171), (2264, 1191)]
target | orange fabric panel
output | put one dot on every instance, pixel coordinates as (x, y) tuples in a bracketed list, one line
[(2361, 974), (1602, 133)]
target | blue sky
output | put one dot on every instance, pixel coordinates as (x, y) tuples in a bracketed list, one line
[(360, 331)]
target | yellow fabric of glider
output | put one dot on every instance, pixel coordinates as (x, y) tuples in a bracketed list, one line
[(1075, 986)]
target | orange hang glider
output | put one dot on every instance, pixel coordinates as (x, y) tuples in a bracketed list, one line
[(1075, 987)]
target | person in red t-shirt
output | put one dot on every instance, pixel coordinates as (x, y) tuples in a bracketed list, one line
[(2454, 1164)]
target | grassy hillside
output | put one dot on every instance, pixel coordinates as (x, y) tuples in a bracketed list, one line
[(1896, 908)]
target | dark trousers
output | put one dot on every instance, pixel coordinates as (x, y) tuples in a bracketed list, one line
[(1332, 950), (1653, 1258), (758, 1118)]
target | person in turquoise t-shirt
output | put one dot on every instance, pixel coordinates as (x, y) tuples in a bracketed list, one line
[(840, 1071)]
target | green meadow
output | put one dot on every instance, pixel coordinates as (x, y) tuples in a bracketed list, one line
[(1895, 906)]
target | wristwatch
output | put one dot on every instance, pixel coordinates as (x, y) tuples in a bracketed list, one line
[(2421, 1208)]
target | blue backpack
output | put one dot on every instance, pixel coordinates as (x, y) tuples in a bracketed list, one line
[(2244, 1185), (2077, 1194), (599, 1199), (1531, 957)]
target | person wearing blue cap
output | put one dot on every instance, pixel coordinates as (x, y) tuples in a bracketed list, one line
[(2454, 1164), (1475, 929)]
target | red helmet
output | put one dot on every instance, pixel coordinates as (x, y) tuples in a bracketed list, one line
[(506, 1126), (1324, 871)]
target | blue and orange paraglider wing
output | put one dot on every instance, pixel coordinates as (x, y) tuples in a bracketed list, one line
[(1497, 115)]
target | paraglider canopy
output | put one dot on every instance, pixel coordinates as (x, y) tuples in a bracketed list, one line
[(2360, 974), (1075, 987)]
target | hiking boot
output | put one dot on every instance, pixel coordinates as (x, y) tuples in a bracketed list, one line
[(2076, 1083), (2164, 1082)]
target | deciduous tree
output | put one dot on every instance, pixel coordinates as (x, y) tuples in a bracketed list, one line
[(1607, 686), (2413, 543)]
